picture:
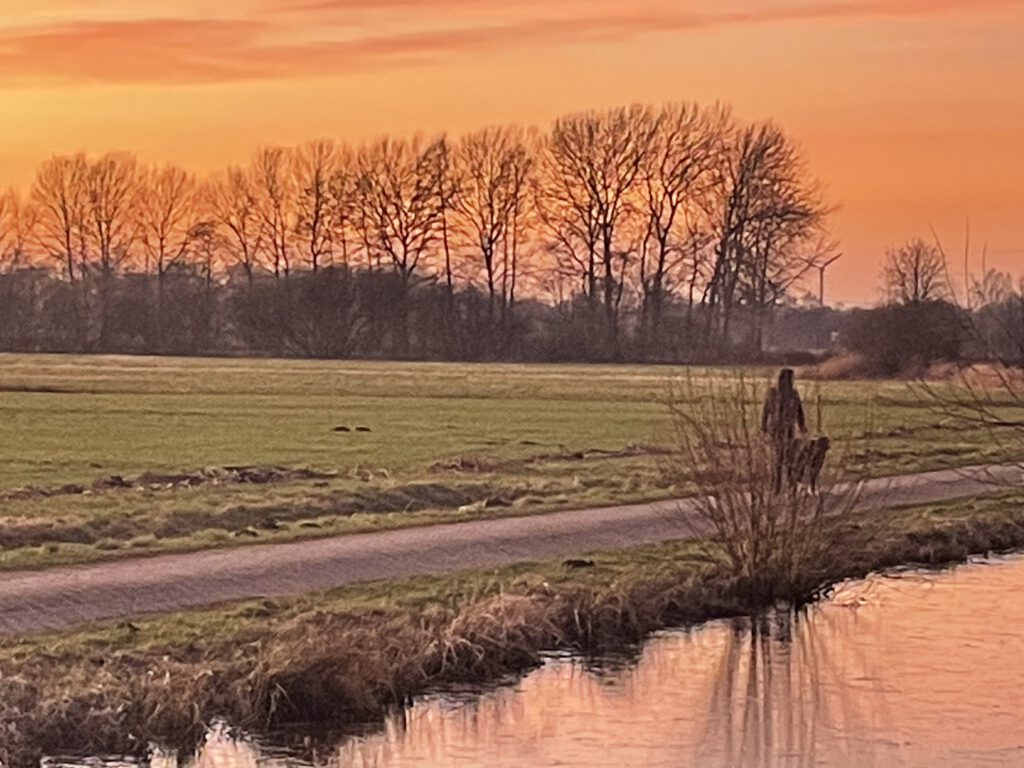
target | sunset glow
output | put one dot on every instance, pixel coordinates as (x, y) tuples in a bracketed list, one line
[(909, 110)]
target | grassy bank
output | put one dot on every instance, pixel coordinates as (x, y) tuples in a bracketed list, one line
[(348, 656), (398, 444)]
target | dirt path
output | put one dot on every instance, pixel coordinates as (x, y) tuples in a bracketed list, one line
[(59, 598)]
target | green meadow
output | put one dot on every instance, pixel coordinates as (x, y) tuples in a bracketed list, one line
[(390, 444)]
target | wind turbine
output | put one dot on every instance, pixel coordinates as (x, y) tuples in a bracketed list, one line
[(821, 275)]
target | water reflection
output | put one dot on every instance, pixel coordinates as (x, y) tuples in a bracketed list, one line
[(779, 692), (920, 671)]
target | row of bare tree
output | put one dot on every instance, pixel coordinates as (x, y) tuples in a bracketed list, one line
[(615, 214)]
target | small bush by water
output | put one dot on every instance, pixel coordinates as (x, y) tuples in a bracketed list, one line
[(770, 517)]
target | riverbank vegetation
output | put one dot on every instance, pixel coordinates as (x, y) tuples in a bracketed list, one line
[(322, 662), (105, 457)]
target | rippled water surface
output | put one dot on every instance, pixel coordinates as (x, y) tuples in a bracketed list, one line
[(919, 670)]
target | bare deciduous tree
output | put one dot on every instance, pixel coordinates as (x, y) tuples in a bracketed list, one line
[(400, 204), (399, 214), (993, 287), (111, 224), (449, 188), (593, 163), (17, 224), (112, 185), (765, 210), (523, 223), (495, 166), (315, 171), (915, 273), (234, 208), (168, 210), (274, 195), (676, 177), (342, 193), (59, 196)]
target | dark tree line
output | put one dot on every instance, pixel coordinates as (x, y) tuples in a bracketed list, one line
[(639, 233)]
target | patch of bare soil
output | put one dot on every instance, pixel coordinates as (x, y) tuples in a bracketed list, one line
[(483, 464), (240, 475)]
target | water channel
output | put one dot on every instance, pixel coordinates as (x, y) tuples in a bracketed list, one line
[(911, 669)]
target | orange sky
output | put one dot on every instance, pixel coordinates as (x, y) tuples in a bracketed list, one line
[(912, 111)]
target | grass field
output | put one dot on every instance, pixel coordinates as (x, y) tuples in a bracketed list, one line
[(425, 442)]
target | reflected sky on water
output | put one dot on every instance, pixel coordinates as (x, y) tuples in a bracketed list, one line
[(920, 670)]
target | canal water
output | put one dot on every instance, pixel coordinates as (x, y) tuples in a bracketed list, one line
[(911, 669)]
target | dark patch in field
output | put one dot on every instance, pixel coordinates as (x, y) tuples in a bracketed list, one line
[(953, 450), (574, 563), (480, 464), (248, 520), (599, 453), (110, 483), (37, 389), (240, 475)]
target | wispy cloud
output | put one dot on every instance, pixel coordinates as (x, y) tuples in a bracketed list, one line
[(308, 38)]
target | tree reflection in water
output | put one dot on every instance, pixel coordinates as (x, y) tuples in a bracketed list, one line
[(787, 682)]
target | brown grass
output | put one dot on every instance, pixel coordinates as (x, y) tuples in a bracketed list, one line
[(842, 367), (849, 366)]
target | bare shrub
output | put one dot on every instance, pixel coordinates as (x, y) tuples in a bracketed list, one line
[(901, 339), (773, 535)]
